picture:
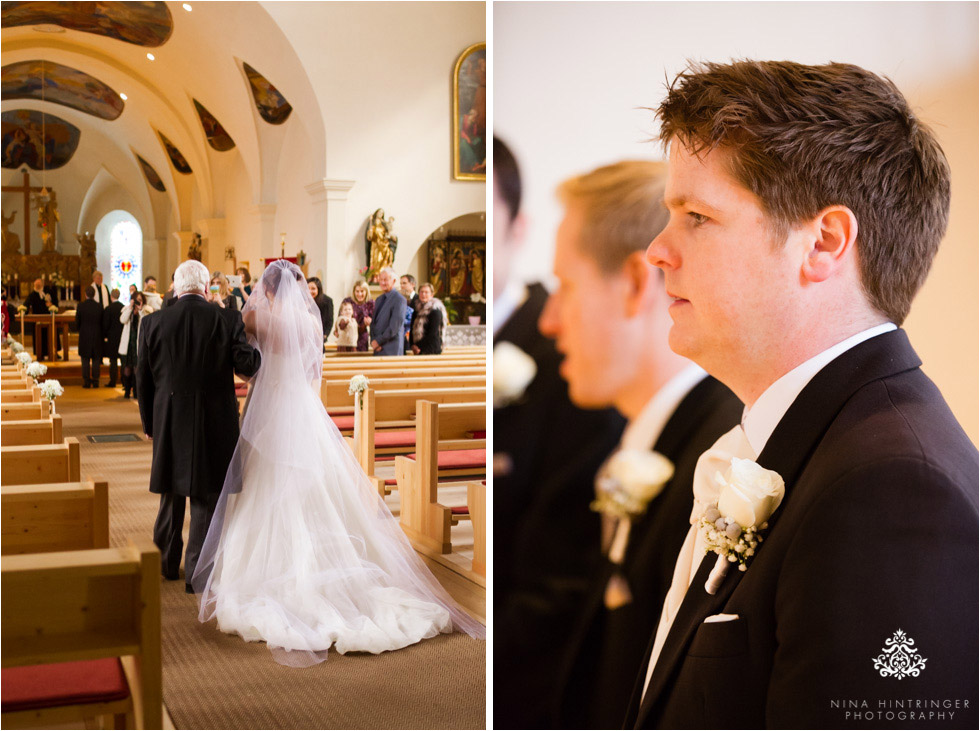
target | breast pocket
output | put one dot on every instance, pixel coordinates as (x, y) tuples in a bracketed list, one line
[(720, 639)]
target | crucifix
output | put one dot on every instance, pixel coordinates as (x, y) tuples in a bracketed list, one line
[(26, 189)]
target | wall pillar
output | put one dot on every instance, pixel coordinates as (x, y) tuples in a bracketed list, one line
[(268, 239), (330, 252), (213, 243), (184, 240)]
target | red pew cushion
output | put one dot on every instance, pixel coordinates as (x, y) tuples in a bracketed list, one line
[(63, 684), (457, 459), (394, 438), (460, 510), (343, 422)]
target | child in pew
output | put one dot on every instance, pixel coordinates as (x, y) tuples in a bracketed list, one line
[(346, 329)]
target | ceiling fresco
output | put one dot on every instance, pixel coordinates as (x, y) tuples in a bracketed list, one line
[(151, 175), (272, 105), (23, 131), (142, 23), (62, 85), (217, 137), (178, 160)]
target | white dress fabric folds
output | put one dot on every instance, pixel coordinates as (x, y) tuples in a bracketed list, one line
[(302, 552)]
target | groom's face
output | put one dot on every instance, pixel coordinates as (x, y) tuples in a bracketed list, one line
[(732, 285)]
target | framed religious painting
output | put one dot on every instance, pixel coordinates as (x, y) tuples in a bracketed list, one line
[(470, 114)]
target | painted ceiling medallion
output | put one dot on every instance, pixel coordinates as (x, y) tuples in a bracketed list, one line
[(62, 85), (141, 23), (217, 137), (151, 175), (22, 139), (176, 158), (272, 105)]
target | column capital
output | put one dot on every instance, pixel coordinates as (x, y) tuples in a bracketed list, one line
[(329, 190)]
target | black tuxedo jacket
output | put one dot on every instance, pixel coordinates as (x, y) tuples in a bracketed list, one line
[(544, 533), (111, 327), (606, 649), (877, 533), (88, 318), (188, 353)]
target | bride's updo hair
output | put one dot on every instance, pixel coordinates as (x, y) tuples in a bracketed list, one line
[(273, 274)]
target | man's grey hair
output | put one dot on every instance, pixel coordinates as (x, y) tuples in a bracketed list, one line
[(191, 276), (391, 271)]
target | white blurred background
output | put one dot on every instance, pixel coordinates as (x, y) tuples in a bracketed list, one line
[(572, 83)]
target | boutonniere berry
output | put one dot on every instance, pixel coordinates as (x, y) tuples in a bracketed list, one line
[(733, 527)]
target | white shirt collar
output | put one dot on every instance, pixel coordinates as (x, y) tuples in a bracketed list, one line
[(644, 431), (761, 419), (507, 303)]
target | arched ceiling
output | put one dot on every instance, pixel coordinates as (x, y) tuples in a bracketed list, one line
[(198, 64)]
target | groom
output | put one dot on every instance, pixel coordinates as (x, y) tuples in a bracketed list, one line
[(806, 205), (188, 354)]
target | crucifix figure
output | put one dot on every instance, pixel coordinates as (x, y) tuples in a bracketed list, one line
[(26, 189)]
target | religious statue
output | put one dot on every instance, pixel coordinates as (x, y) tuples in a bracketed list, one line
[(457, 274), (11, 241), (380, 243), (194, 250), (47, 218), (86, 253)]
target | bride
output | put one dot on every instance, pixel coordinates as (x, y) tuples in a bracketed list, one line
[(302, 552)]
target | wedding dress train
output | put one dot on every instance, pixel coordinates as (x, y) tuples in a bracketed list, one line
[(302, 552)]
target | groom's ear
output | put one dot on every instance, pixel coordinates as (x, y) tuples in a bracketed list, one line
[(830, 239)]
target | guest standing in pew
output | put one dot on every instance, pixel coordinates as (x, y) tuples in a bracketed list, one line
[(430, 323), (345, 331), (112, 329), (546, 454), (388, 326), (188, 355), (323, 303), (220, 293), (363, 305), (88, 318), (617, 354), (406, 284)]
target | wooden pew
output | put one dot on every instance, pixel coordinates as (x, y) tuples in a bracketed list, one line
[(336, 397), (15, 382), (98, 605), (384, 422), (441, 431), (40, 464), (25, 395), (20, 412), (476, 500), (32, 431), (66, 516)]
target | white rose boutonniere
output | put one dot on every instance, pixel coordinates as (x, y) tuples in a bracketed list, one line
[(513, 371), (749, 495), (625, 484)]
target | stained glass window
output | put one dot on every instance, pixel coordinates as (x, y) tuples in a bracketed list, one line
[(126, 246)]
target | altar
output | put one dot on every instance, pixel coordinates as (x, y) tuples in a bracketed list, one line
[(48, 326)]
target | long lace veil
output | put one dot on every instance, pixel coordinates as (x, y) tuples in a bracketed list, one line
[(288, 438)]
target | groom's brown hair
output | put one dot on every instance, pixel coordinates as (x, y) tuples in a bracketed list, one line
[(802, 138)]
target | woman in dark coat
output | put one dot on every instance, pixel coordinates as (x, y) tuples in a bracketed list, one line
[(429, 324), (130, 318), (363, 312), (324, 303)]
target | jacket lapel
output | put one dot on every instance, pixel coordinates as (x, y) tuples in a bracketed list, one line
[(787, 452)]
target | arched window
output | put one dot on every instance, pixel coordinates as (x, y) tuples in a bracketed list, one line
[(126, 258)]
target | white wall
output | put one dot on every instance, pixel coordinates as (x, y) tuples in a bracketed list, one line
[(382, 74), (571, 81)]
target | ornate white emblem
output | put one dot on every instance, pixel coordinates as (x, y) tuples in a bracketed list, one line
[(899, 658)]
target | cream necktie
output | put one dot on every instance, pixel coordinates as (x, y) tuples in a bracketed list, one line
[(733, 443)]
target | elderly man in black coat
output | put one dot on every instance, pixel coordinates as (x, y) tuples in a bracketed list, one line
[(88, 318), (188, 354)]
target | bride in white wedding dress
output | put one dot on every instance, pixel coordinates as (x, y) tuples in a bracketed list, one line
[(302, 552)]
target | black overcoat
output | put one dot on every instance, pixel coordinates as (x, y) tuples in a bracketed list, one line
[(88, 317), (188, 354), (111, 327)]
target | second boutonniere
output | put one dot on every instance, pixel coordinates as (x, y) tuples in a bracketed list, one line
[(625, 485), (732, 528)]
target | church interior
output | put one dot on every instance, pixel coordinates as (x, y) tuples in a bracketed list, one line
[(342, 136)]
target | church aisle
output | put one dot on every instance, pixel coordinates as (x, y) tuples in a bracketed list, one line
[(214, 680)]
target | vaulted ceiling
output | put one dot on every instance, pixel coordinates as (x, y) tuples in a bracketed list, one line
[(166, 92)]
